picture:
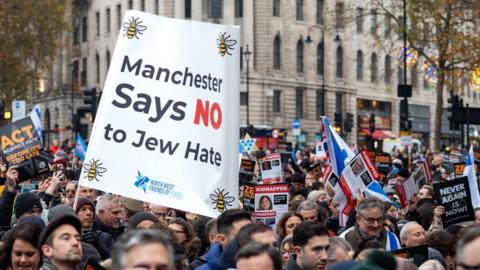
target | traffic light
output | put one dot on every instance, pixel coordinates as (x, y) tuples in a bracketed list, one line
[(90, 99), (455, 104), (348, 124), (371, 123), (4, 115), (337, 118)]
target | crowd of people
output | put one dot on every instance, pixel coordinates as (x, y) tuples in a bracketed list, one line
[(44, 226)]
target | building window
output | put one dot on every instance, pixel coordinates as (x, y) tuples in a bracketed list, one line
[(277, 98), (130, 4), (97, 66), (414, 75), (157, 7), (276, 8), (359, 20), (300, 48), (238, 8), (76, 32), (299, 13), (83, 74), (339, 102), (339, 15), (142, 5), (119, 16), (374, 24), (243, 98), (215, 8), (388, 69), (359, 65), (277, 55), (75, 77), (339, 60), (320, 104), (320, 59), (319, 12), (388, 26), (107, 59), (108, 20), (97, 26), (299, 103), (188, 8), (241, 57), (84, 29), (374, 68)]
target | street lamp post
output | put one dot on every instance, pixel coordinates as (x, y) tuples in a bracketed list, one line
[(247, 55)]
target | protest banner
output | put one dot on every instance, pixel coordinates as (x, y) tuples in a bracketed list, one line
[(383, 161), (285, 149), (357, 175), (407, 190), (166, 130), (455, 196), (271, 168), (22, 146), (417, 255), (270, 202), (247, 168), (458, 169)]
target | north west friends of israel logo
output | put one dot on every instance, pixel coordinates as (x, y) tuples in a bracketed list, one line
[(162, 188)]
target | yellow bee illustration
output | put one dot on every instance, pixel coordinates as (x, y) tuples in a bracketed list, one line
[(225, 44), (221, 200), (133, 28), (94, 169)]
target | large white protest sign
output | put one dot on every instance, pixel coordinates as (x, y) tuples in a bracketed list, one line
[(167, 125)]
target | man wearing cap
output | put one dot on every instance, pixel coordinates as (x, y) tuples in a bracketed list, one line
[(131, 207), (60, 244)]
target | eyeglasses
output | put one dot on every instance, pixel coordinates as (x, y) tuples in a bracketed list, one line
[(469, 267), (371, 220)]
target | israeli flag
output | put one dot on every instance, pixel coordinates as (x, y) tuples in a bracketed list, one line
[(80, 147), (36, 115), (338, 152), (375, 190), (469, 171)]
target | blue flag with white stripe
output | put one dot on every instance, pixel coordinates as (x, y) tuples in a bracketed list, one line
[(375, 190), (80, 147), (338, 152), (469, 171)]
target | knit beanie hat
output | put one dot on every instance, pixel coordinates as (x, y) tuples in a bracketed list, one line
[(59, 211), (83, 201), (26, 202), (139, 217)]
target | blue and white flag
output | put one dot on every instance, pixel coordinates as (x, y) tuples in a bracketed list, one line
[(469, 171), (80, 147), (338, 152), (36, 115), (375, 190)]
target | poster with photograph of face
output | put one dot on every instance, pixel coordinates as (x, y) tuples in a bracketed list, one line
[(271, 202)]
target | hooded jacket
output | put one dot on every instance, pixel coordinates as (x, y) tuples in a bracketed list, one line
[(213, 257)]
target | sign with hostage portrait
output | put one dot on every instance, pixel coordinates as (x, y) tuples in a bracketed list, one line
[(21, 146), (455, 196), (166, 130)]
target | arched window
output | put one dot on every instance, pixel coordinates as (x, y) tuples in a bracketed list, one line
[(277, 46), (97, 66), (359, 65), (374, 68), (107, 58), (339, 58), (320, 59), (300, 48), (388, 69)]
